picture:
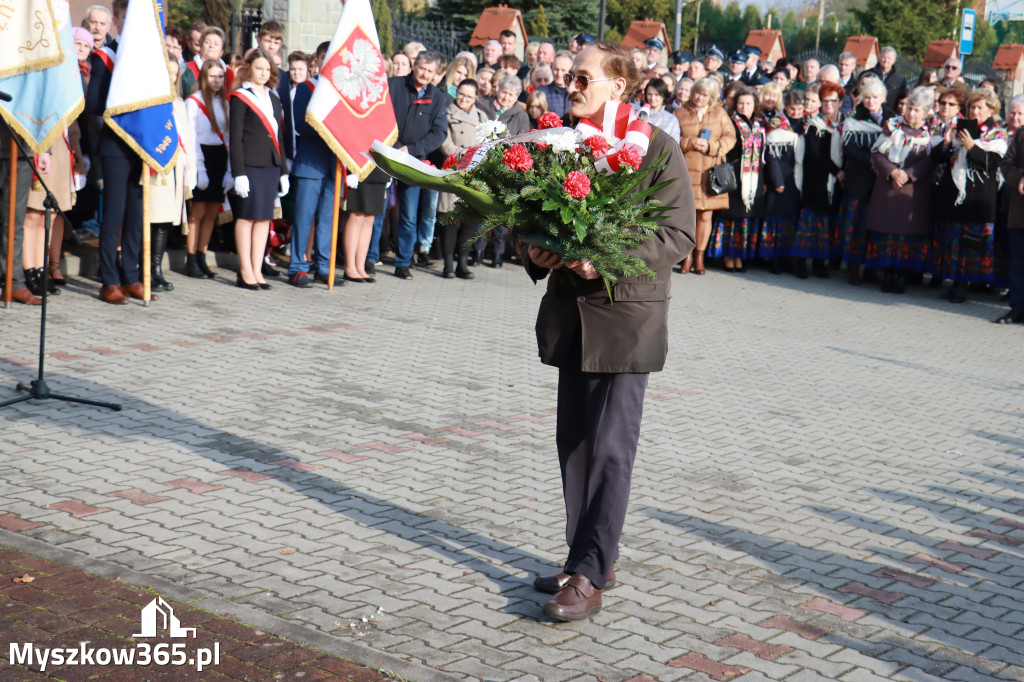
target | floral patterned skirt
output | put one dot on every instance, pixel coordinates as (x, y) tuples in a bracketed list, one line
[(852, 224), (955, 260), (734, 238), (813, 237), (899, 251), (776, 238)]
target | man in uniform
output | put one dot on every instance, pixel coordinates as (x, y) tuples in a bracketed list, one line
[(604, 352)]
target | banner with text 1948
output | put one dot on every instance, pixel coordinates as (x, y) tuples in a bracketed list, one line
[(28, 37)]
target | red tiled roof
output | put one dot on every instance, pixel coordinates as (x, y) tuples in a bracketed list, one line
[(862, 46), (764, 39), (493, 21), (939, 51), (1008, 57), (643, 30)]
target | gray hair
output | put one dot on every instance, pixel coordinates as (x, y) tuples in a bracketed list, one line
[(847, 55), (924, 98), (427, 57), (953, 59), (873, 86), (890, 48), (468, 55), (491, 42), (102, 8), (1017, 101), (511, 83), (829, 73)]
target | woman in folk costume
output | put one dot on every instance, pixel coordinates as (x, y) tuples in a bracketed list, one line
[(170, 191), (783, 175), (770, 102), (860, 130), (898, 218), (706, 136), (207, 109), (823, 159), (967, 196), (258, 162), (949, 108), (736, 227), (63, 170)]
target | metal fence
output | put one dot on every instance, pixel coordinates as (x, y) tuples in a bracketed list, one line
[(245, 26), (437, 36)]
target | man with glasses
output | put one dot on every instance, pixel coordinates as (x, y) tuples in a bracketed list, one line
[(895, 83), (951, 71), (605, 352)]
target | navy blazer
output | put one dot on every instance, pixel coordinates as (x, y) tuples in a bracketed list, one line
[(422, 121), (109, 143), (251, 144), (313, 158), (284, 93)]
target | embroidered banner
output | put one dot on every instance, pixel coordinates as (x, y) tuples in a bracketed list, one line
[(29, 38)]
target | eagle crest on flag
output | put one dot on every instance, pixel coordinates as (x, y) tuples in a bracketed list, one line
[(357, 71)]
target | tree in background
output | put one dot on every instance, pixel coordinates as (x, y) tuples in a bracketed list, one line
[(751, 20), (564, 18), (538, 26), (382, 17), (908, 25), (622, 13)]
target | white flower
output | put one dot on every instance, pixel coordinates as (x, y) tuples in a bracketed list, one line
[(491, 130), (562, 142)]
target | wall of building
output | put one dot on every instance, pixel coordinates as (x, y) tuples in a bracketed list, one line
[(307, 23)]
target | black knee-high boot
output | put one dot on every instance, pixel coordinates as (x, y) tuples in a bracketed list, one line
[(158, 247)]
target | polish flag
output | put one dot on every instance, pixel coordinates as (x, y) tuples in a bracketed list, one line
[(351, 105)]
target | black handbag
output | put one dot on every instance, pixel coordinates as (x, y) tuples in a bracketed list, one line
[(722, 178)]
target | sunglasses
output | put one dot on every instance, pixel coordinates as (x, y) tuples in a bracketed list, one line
[(582, 81), (830, 101), (951, 68)]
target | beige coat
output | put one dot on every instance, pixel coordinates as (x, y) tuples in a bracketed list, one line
[(723, 138), (461, 136), (169, 192)]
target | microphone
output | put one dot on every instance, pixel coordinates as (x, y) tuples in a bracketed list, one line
[(4, 97)]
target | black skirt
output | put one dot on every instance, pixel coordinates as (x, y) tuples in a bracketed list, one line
[(216, 157), (259, 205), (368, 197)]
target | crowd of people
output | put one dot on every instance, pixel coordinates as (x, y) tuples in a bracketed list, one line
[(799, 167)]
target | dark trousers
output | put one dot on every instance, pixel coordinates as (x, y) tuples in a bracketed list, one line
[(1016, 240), (122, 220), (453, 241), (20, 204), (597, 433)]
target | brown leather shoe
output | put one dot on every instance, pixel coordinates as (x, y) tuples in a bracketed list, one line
[(113, 294), (551, 584), (687, 264), (698, 262), (578, 600), (136, 290), (24, 295)]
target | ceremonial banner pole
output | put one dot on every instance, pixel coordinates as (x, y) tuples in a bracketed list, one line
[(146, 246), (13, 184), (339, 175)]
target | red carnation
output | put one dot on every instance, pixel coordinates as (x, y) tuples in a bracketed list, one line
[(429, 164), (542, 145), (598, 144), (577, 185), (549, 120), (630, 157), (450, 162), (517, 157)]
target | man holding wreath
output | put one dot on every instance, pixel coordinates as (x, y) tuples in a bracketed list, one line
[(605, 348)]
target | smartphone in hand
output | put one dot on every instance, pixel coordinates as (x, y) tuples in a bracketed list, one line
[(705, 134)]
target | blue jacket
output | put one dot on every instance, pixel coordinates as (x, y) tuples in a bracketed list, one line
[(422, 121), (313, 158), (558, 98)]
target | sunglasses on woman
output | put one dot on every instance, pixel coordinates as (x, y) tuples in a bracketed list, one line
[(582, 81)]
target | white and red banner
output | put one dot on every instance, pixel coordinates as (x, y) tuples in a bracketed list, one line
[(351, 105)]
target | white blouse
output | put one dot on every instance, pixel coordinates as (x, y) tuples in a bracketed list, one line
[(204, 134)]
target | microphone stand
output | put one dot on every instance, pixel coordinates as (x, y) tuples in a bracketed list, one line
[(38, 389)]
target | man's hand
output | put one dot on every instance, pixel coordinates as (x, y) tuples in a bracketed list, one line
[(780, 190), (43, 164), (403, 149), (841, 176), (544, 259), (1020, 187), (584, 268)]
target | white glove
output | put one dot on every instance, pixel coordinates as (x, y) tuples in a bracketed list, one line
[(283, 185), (352, 180), (203, 180), (87, 162), (79, 182), (288, 163), (229, 182), (241, 186)]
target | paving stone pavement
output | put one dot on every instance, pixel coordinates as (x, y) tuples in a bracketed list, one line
[(829, 483)]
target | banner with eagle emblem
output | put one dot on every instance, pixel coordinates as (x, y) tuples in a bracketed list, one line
[(351, 105)]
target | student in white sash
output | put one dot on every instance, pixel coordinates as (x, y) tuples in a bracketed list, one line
[(257, 135)]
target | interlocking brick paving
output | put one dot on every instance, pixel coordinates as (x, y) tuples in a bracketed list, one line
[(808, 442)]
